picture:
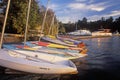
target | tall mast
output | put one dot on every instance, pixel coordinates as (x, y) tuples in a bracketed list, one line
[(26, 28), (58, 27), (4, 24), (76, 26), (52, 23), (42, 27)]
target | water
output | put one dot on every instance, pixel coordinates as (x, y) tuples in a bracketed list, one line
[(103, 60), (102, 63)]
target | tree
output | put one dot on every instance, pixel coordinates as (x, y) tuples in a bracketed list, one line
[(84, 20), (62, 28), (34, 20), (18, 13)]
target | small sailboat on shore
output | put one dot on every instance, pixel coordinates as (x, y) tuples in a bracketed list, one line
[(68, 40), (39, 49), (17, 60), (57, 41)]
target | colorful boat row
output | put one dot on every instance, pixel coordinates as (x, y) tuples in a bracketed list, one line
[(52, 57)]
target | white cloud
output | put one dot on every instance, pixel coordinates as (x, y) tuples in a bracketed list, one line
[(76, 6), (70, 17), (80, 0), (64, 19), (114, 13), (80, 8), (97, 17), (88, 1), (53, 6), (94, 7), (99, 6)]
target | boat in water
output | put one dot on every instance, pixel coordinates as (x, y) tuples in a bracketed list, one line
[(80, 33), (102, 32)]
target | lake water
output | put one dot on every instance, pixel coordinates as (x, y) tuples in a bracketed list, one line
[(102, 62)]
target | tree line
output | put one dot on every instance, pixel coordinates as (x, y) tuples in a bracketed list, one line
[(16, 21), (109, 23)]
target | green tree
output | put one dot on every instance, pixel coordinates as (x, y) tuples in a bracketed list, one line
[(34, 21), (17, 15)]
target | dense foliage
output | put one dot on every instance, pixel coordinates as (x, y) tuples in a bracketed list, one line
[(16, 21)]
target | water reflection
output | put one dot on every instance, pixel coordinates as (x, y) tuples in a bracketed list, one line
[(103, 57), (99, 42)]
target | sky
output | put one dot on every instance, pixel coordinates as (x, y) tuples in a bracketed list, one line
[(74, 10)]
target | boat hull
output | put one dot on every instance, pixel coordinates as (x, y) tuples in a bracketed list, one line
[(33, 65), (56, 41)]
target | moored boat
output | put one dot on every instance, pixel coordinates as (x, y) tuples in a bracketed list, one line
[(102, 32), (57, 41)]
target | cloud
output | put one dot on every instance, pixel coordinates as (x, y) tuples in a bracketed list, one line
[(53, 6), (66, 16), (88, 1), (97, 7), (76, 6), (80, 0), (97, 17), (94, 7), (70, 17), (78, 9), (114, 13), (64, 19)]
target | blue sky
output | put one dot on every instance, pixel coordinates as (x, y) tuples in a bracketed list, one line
[(74, 10)]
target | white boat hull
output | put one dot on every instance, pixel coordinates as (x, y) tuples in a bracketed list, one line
[(33, 51), (33, 65), (56, 41)]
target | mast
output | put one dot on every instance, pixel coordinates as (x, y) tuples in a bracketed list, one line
[(4, 24), (76, 26), (42, 27), (58, 27), (52, 23), (26, 28)]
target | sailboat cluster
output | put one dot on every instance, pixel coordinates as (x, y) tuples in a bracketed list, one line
[(51, 56)]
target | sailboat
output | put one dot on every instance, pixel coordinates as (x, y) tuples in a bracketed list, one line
[(39, 49), (33, 62), (53, 39), (41, 45), (57, 41), (68, 40)]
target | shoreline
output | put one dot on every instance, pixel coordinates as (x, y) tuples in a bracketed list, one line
[(86, 37), (19, 38)]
